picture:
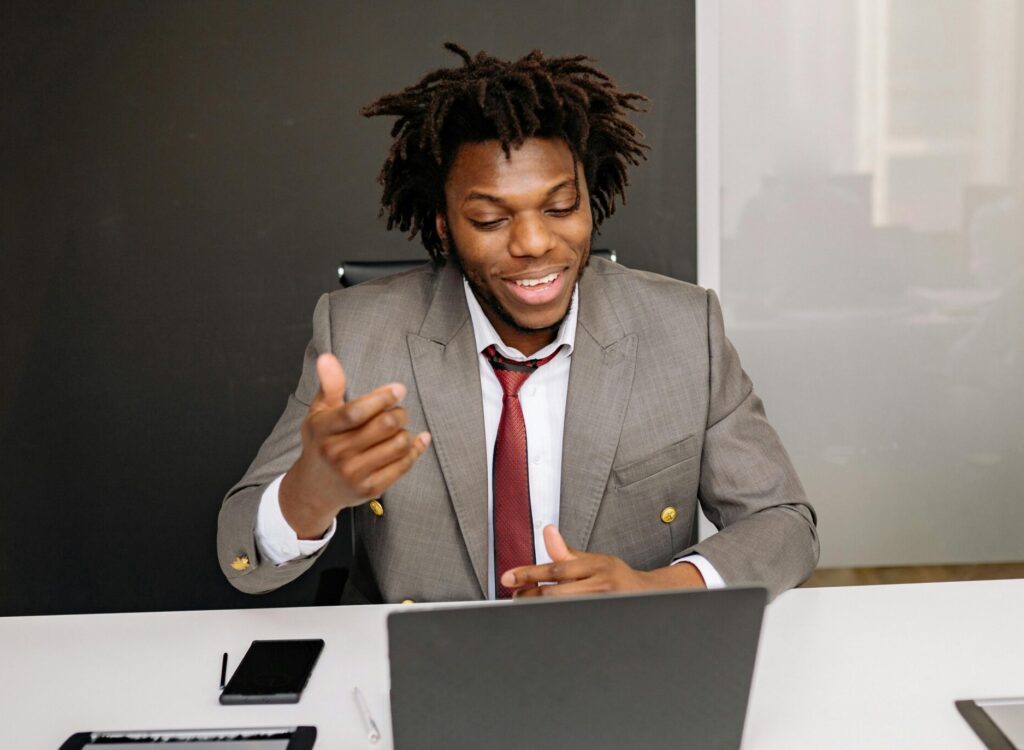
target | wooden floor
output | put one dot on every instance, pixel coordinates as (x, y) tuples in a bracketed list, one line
[(913, 574)]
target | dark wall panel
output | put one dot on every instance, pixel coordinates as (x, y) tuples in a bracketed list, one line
[(178, 183)]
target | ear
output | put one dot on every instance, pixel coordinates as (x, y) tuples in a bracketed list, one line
[(441, 226)]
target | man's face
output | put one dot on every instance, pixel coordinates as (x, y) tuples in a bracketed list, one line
[(520, 234)]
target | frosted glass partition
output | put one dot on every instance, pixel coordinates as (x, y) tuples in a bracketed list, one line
[(872, 262)]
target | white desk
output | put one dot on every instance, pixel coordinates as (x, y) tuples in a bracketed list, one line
[(872, 667)]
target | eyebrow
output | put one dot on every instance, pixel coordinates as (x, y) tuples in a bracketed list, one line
[(475, 196)]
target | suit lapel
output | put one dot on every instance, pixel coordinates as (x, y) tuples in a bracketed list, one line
[(600, 381), (444, 361)]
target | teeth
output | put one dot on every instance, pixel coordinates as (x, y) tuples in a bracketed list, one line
[(534, 282)]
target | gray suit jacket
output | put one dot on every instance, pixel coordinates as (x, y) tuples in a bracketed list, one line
[(659, 414)]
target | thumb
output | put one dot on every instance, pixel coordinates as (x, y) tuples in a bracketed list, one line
[(332, 381), (558, 550)]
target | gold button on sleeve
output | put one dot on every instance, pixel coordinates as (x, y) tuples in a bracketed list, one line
[(408, 601), (240, 563), (668, 515), (376, 508)]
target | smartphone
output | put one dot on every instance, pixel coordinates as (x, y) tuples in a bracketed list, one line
[(272, 672)]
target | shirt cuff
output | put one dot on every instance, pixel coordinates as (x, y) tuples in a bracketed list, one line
[(276, 540), (711, 578)]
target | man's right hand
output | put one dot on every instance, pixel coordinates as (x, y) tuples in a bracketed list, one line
[(351, 452)]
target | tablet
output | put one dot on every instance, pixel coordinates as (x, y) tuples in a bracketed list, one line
[(999, 722), (264, 738)]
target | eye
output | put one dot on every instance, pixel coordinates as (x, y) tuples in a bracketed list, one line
[(486, 225), (561, 211)]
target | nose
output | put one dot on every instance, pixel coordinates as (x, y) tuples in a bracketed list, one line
[(530, 236)]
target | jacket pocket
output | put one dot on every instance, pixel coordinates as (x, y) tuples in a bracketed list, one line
[(659, 461)]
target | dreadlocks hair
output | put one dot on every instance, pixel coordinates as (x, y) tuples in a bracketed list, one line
[(492, 99)]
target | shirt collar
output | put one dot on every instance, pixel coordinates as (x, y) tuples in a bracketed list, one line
[(485, 334)]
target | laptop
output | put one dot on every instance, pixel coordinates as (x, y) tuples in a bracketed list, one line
[(664, 670)]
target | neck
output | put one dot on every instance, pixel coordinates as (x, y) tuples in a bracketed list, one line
[(528, 342)]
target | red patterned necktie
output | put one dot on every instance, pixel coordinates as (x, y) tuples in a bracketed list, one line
[(513, 518)]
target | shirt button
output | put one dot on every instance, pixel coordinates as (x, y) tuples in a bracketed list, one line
[(531, 390), (537, 525), (537, 459)]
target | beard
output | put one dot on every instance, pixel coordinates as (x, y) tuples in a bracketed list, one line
[(488, 301)]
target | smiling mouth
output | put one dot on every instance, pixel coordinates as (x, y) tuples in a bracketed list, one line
[(537, 291), (537, 282)]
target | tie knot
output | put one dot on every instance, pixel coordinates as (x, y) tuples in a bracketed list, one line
[(512, 373)]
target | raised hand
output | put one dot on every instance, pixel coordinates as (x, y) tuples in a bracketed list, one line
[(351, 452)]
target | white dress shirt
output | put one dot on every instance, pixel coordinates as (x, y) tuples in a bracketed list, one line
[(542, 398)]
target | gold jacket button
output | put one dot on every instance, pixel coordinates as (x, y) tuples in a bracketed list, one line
[(240, 563), (668, 515), (376, 508), (408, 601)]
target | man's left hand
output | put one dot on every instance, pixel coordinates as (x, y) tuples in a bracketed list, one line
[(574, 573)]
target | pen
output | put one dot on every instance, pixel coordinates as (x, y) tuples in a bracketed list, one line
[(223, 670), (372, 733)]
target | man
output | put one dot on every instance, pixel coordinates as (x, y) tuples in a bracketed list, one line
[(529, 424)]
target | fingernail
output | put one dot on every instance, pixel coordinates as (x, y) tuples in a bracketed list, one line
[(508, 579), (398, 390), (426, 438)]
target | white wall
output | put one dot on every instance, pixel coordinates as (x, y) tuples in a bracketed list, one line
[(870, 259)]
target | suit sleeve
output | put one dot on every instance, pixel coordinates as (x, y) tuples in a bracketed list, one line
[(237, 551), (748, 486)]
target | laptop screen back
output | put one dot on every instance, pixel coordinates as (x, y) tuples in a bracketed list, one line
[(666, 670)]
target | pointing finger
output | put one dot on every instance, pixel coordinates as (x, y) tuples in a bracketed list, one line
[(555, 572)]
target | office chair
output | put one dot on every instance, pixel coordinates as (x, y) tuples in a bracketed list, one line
[(354, 272)]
